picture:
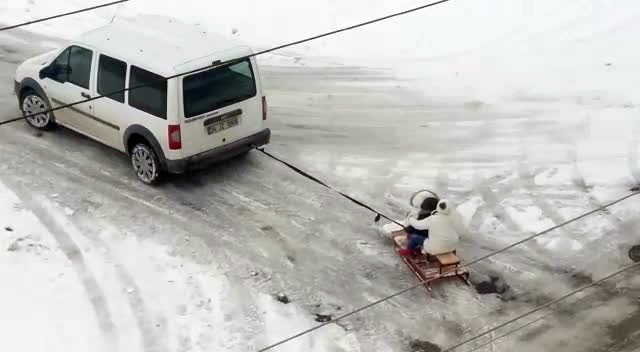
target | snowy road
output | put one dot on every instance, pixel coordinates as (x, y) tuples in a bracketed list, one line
[(193, 265)]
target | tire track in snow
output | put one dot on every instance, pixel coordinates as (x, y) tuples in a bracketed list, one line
[(79, 178), (306, 288), (197, 305), (204, 338), (117, 189), (493, 209), (94, 292), (87, 177), (634, 147), (301, 253), (252, 261), (490, 209), (109, 186), (526, 178), (580, 182), (492, 206), (270, 215), (243, 316), (152, 340), (69, 166), (296, 286), (215, 207), (156, 339)]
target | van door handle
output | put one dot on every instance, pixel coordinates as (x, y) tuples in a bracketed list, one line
[(85, 95)]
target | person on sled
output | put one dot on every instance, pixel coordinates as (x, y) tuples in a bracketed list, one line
[(415, 236), (444, 230)]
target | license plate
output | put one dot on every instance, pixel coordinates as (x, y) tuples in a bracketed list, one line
[(223, 125)]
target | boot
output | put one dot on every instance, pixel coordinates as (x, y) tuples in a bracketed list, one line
[(405, 252)]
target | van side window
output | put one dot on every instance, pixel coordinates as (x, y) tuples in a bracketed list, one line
[(112, 75), (60, 64), (151, 99), (80, 66)]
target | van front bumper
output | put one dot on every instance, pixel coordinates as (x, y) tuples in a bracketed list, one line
[(222, 153)]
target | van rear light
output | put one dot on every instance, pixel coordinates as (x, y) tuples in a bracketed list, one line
[(175, 140), (264, 108)]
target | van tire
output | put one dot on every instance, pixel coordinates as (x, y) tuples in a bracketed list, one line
[(146, 164), (31, 103)]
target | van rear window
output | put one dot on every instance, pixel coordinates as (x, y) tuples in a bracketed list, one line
[(219, 87)]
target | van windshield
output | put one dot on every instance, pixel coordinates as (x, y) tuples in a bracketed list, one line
[(219, 87)]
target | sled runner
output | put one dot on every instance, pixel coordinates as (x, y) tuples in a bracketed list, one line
[(431, 268)]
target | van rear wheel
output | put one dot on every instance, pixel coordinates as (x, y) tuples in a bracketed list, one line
[(145, 163)]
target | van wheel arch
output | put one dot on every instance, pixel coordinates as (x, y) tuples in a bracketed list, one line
[(138, 134), (30, 85)]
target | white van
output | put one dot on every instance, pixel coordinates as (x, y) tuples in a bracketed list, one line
[(169, 126)]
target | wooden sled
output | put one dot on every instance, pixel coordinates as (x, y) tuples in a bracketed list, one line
[(431, 268)]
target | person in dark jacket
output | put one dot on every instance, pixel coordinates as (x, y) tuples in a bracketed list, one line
[(415, 237)]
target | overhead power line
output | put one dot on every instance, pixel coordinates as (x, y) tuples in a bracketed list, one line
[(421, 283), (557, 300), (362, 24), (62, 15), (513, 331)]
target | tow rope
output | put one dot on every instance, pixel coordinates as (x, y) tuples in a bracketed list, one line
[(379, 215)]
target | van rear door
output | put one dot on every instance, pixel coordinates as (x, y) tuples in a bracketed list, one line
[(220, 105)]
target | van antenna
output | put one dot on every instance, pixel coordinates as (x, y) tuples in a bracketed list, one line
[(115, 13)]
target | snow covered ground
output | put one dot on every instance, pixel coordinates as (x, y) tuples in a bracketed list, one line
[(112, 293), (524, 113)]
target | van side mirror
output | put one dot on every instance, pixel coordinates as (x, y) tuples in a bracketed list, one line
[(56, 72), (45, 72)]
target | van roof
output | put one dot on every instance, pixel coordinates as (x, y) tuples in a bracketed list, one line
[(162, 44)]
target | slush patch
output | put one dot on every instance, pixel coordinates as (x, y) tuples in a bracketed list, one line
[(634, 253), (282, 298), (322, 318), (495, 285), (423, 346), (28, 245)]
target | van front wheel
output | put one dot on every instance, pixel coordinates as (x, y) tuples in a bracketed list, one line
[(145, 163), (36, 111)]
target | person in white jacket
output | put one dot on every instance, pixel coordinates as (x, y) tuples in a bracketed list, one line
[(445, 228)]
